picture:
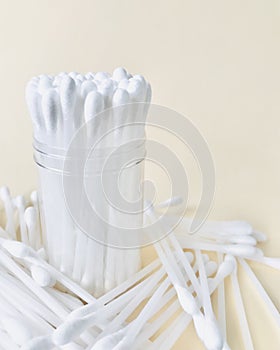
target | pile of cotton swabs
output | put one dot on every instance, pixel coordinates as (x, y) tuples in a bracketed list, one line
[(42, 308)]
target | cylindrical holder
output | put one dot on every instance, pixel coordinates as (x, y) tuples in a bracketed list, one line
[(82, 217)]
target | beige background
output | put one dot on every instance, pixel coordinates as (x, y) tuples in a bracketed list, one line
[(215, 61)]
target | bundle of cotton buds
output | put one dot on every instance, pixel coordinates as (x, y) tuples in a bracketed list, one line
[(59, 105), (42, 308), (93, 104)]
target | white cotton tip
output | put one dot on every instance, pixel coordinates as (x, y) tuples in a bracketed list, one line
[(140, 78), (30, 217), (121, 97), (19, 331), (84, 310), (119, 74), (211, 268), (259, 236), (111, 342), (107, 85), (43, 342), (78, 84), (87, 87), (89, 75), (136, 90), (51, 109), (33, 100), (70, 330), (107, 88), (19, 202), (73, 74), (101, 76), (5, 193), (148, 93), (208, 331), (123, 84), (62, 74), (190, 257), (34, 197), (234, 228), (199, 324), (205, 258), (213, 339), (31, 86), (186, 300), (67, 91), (44, 84), (80, 77), (226, 268), (242, 239), (241, 250), (42, 276), (56, 81), (94, 104), (17, 249), (123, 344)]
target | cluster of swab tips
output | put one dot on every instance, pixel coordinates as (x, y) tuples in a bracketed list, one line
[(59, 105)]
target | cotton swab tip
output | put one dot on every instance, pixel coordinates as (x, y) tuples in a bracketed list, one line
[(213, 338), (30, 217), (16, 249), (42, 276), (69, 330), (119, 74), (43, 342), (5, 193), (186, 300)]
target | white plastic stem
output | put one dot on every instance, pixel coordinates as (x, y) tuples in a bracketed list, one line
[(272, 262), (153, 327), (168, 338), (221, 303), (117, 291), (132, 280), (9, 210), (187, 266), (241, 313), (241, 250), (206, 300), (20, 204), (222, 228), (272, 308), (147, 311), (132, 305)]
